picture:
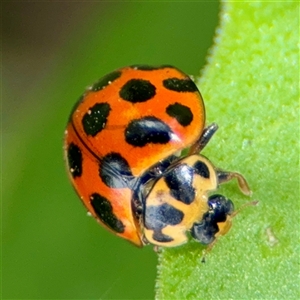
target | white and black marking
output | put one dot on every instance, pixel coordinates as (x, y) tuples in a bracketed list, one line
[(180, 85), (147, 130), (105, 213), (181, 113), (74, 156), (115, 172), (180, 182), (219, 208), (201, 169), (95, 119), (140, 189), (137, 90), (158, 217)]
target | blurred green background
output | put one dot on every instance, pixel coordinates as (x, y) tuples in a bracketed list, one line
[(51, 52)]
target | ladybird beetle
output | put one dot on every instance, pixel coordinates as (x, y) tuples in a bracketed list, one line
[(122, 146)]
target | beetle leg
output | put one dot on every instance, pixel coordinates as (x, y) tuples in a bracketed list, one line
[(224, 176), (207, 134)]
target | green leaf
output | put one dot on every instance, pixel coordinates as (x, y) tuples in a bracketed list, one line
[(251, 89)]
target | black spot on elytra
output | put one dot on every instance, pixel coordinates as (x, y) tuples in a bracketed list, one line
[(74, 156), (180, 182), (181, 113), (147, 130), (106, 80), (180, 85), (206, 229), (137, 90), (114, 171), (150, 68), (105, 213), (201, 169), (95, 119), (158, 217)]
